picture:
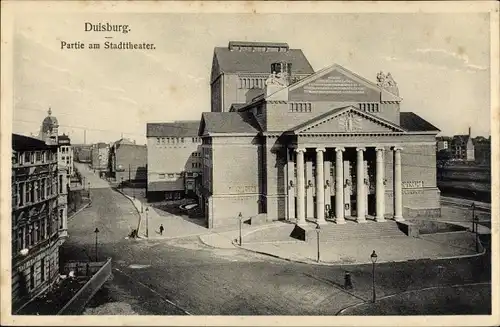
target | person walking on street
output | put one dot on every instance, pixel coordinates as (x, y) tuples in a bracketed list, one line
[(161, 229)]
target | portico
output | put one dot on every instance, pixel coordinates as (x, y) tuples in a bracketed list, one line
[(338, 192)]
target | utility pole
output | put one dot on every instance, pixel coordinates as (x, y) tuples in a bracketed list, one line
[(84, 136)]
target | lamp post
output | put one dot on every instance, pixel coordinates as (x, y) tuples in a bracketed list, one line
[(121, 184), (476, 222), (473, 206), (240, 217), (373, 256), (147, 228), (318, 228), (96, 231)]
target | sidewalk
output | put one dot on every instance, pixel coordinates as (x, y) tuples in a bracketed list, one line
[(273, 240), (345, 252)]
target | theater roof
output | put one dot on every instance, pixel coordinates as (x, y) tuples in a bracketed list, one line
[(228, 122), (414, 123), (184, 128), (234, 61)]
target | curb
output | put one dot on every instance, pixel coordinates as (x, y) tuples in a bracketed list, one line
[(331, 264), (210, 245), (406, 292), (79, 210), (129, 198)]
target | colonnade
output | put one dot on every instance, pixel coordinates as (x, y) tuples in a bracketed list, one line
[(299, 190)]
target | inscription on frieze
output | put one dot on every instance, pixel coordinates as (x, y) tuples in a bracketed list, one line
[(334, 85)]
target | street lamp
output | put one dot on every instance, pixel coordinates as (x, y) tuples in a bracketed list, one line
[(96, 231), (147, 228), (373, 256), (318, 228), (473, 206), (240, 217), (476, 222), (122, 183)]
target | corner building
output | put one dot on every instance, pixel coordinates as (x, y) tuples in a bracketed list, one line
[(329, 146)]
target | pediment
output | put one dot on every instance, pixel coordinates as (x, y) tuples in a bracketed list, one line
[(335, 83), (348, 120)]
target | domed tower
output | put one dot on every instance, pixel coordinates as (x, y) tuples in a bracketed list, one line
[(49, 128)]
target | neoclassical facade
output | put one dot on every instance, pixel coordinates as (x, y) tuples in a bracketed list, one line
[(332, 146)]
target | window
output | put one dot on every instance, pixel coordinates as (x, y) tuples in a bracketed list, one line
[(43, 231), (32, 276), (171, 175), (32, 192), (61, 218), (20, 239), (20, 197), (37, 233), (60, 184), (44, 156), (27, 157), (42, 269), (161, 176), (158, 140)]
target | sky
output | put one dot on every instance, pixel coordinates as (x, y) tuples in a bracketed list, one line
[(440, 62)]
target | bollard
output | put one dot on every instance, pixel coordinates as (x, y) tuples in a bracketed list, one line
[(347, 281)]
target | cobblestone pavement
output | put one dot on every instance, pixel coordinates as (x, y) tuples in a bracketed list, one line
[(183, 276)]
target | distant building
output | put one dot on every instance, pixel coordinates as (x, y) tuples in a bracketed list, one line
[(82, 153), (482, 150), (240, 70), (65, 154), (443, 143), (49, 134), (174, 159), (128, 161), (36, 225), (49, 129), (99, 156), (462, 147)]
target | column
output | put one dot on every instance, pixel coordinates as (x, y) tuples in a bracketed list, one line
[(398, 189), (339, 187), (379, 185), (329, 184), (309, 190), (360, 186), (291, 185), (320, 187), (301, 208)]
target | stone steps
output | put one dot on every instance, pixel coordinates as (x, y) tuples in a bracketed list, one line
[(351, 230)]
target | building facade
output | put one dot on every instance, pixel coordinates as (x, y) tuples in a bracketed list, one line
[(36, 232), (128, 161), (99, 157), (443, 143), (174, 159), (65, 154), (332, 145), (462, 147)]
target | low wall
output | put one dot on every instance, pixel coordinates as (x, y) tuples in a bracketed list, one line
[(421, 212), (77, 304)]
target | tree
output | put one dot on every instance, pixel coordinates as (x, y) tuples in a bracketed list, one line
[(443, 159)]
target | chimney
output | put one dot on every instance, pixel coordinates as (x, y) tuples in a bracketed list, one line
[(469, 131)]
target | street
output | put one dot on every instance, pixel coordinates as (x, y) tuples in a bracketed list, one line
[(183, 276)]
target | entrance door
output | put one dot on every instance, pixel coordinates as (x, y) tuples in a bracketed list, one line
[(347, 189)]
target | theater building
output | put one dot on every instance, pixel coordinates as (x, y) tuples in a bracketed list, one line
[(332, 146)]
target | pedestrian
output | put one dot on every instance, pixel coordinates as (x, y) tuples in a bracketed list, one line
[(161, 229)]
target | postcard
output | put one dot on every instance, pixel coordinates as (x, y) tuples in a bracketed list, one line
[(250, 163)]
